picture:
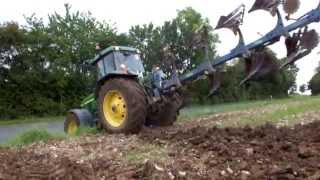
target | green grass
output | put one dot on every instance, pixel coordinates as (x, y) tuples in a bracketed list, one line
[(197, 111), (31, 120), (87, 130), (294, 105), (36, 135), (32, 136), (288, 113)]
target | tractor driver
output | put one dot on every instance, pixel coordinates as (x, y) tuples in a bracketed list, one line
[(157, 76)]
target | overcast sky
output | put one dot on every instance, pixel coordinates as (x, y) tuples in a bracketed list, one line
[(125, 13)]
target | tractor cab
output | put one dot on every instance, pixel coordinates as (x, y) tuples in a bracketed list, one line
[(118, 60)]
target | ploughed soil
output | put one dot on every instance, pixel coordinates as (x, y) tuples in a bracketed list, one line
[(184, 151)]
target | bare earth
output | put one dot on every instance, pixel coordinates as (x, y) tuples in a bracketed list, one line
[(192, 150)]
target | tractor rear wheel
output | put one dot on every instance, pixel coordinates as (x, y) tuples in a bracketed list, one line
[(122, 105)]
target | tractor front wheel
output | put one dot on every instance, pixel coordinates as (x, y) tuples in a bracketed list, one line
[(77, 118), (71, 124), (122, 106)]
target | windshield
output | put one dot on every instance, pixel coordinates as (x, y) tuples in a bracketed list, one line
[(131, 60)]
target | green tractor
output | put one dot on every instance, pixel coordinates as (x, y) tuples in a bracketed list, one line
[(123, 102)]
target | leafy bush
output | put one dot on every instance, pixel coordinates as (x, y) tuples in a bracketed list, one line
[(42, 64), (314, 84)]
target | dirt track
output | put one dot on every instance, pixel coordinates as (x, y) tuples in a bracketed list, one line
[(184, 151)]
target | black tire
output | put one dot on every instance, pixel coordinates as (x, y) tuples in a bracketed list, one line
[(135, 100), (71, 118), (80, 117), (167, 115)]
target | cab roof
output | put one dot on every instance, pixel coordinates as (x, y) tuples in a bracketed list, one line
[(111, 49)]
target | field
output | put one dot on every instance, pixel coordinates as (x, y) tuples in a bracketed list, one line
[(274, 139)]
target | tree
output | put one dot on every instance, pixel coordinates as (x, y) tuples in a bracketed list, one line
[(303, 88), (43, 67), (179, 35), (314, 84), (147, 38), (12, 39), (318, 68), (175, 37)]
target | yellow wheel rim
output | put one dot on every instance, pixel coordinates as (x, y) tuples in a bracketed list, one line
[(114, 108), (72, 126)]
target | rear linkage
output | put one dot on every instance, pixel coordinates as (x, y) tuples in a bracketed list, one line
[(258, 62)]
